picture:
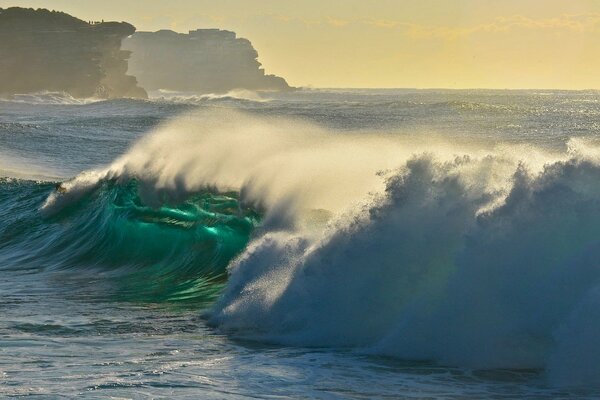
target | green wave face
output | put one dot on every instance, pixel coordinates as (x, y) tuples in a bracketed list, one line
[(172, 253)]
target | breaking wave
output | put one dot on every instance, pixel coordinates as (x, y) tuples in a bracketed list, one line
[(166, 253), (46, 97), (476, 255), (195, 98)]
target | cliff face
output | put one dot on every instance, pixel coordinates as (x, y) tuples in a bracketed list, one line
[(47, 50), (204, 61)]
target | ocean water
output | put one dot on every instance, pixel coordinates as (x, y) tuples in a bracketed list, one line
[(325, 244)]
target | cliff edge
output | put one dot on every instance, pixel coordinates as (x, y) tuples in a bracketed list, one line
[(42, 50), (203, 61)]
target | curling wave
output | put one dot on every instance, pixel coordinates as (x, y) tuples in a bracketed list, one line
[(470, 254), (170, 252)]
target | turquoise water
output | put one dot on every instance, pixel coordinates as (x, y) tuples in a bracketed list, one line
[(285, 248)]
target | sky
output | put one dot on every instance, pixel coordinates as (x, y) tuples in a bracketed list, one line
[(388, 43)]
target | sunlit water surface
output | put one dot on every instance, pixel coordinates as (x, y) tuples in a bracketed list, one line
[(107, 321)]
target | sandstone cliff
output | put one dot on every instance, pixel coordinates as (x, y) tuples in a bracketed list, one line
[(204, 61), (42, 50)]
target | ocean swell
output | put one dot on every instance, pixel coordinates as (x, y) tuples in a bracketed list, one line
[(470, 254)]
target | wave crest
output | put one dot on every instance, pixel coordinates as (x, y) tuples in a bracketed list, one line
[(470, 254)]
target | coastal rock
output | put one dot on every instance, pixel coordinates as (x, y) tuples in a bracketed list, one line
[(42, 50), (203, 61)]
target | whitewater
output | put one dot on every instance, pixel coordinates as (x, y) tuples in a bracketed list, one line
[(313, 244)]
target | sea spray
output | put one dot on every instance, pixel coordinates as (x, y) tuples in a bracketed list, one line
[(281, 163)]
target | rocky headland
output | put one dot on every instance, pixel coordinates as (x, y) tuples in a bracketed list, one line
[(42, 50), (202, 61)]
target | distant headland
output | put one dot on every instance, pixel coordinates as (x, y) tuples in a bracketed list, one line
[(43, 50), (204, 61)]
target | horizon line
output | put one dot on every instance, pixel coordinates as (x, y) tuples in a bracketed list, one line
[(439, 88)]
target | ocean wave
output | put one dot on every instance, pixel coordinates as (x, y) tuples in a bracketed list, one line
[(168, 253), (47, 97), (195, 98), (471, 254), (438, 267)]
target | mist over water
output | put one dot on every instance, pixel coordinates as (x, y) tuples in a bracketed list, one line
[(450, 231)]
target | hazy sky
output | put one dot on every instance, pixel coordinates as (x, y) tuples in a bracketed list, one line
[(389, 43)]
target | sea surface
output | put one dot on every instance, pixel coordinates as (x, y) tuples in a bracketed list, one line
[(318, 244)]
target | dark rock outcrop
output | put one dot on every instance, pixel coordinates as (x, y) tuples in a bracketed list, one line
[(42, 50), (203, 61)]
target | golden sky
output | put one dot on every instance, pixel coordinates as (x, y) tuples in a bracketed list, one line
[(388, 43)]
